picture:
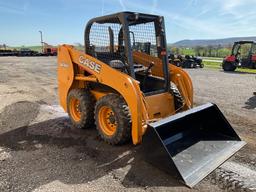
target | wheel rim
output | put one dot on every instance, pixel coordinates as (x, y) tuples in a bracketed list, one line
[(107, 120), (75, 109)]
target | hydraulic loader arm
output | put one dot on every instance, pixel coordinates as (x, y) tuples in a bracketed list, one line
[(71, 61), (178, 76)]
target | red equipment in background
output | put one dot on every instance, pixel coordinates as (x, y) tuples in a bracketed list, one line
[(236, 59), (49, 50)]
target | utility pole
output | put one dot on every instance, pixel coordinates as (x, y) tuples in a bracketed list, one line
[(42, 43)]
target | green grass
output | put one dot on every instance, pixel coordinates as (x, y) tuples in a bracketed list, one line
[(246, 70), (34, 48), (39, 48), (213, 58), (80, 48), (187, 52), (212, 65), (217, 65), (201, 51)]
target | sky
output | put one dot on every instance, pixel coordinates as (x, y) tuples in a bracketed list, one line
[(63, 21)]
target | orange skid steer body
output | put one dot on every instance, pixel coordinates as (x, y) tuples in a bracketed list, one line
[(71, 61), (124, 84)]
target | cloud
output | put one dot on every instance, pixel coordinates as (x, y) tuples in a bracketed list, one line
[(122, 5), (229, 5), (185, 19), (211, 19), (236, 8), (13, 9), (102, 7), (185, 22), (154, 6), (189, 3)]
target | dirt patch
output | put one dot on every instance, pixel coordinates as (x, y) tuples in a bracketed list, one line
[(251, 103), (17, 115), (75, 157)]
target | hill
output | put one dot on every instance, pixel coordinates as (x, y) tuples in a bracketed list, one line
[(212, 42)]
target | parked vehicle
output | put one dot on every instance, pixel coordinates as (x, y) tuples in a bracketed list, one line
[(7, 52), (26, 52), (49, 50), (243, 55), (186, 62), (175, 60), (134, 95)]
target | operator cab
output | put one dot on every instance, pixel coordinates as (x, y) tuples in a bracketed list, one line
[(114, 39), (244, 51)]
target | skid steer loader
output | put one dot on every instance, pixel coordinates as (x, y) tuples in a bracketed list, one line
[(124, 84)]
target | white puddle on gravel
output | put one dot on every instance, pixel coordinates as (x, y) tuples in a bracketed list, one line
[(48, 112), (4, 154), (55, 109)]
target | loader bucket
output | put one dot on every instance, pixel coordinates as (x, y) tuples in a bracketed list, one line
[(194, 142)]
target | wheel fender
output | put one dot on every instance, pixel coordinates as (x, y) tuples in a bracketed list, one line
[(130, 91), (184, 84), (65, 71)]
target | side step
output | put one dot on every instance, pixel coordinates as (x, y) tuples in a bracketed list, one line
[(193, 143)]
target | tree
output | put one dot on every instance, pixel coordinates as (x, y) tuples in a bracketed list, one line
[(198, 50), (219, 47), (79, 46), (175, 50), (209, 50)]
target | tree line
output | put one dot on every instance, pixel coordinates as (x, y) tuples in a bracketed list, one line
[(3, 46), (202, 51)]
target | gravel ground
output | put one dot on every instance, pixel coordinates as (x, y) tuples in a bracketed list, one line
[(40, 151)]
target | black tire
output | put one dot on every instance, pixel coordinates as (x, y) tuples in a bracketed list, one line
[(178, 99), (122, 117), (228, 66), (201, 65), (86, 107), (254, 65), (193, 65), (178, 64), (186, 64)]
